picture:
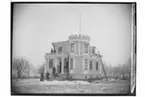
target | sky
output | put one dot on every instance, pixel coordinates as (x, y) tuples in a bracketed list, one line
[(36, 26)]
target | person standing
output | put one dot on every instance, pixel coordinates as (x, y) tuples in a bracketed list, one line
[(47, 76), (41, 77), (53, 72)]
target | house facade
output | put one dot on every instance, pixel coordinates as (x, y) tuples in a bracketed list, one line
[(74, 56)]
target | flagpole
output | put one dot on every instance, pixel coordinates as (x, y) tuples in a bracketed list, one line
[(80, 26)]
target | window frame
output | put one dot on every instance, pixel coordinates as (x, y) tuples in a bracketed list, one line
[(86, 64), (51, 63), (59, 49), (91, 64), (85, 48), (93, 51), (72, 47), (97, 66)]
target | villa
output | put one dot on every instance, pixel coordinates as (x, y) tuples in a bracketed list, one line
[(75, 57)]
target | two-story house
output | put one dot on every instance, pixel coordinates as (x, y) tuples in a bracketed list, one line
[(74, 56)]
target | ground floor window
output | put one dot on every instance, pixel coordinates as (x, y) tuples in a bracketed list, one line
[(96, 65), (50, 63), (86, 65), (90, 65)]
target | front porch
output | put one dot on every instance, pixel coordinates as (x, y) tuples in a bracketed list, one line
[(56, 64)]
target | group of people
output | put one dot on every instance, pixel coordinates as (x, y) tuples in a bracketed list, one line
[(42, 76), (47, 75)]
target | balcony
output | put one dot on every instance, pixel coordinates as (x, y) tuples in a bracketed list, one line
[(53, 55)]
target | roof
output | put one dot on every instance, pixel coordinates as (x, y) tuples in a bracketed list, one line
[(92, 47), (60, 42)]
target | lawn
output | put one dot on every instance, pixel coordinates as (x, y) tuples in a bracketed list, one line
[(35, 86)]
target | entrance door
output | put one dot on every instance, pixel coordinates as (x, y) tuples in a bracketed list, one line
[(66, 65), (59, 66)]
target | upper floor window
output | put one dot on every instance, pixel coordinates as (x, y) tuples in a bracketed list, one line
[(72, 48), (93, 51), (71, 63), (86, 48), (96, 65), (60, 49), (90, 51), (86, 65), (90, 65)]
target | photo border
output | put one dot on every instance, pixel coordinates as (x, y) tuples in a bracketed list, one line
[(134, 51)]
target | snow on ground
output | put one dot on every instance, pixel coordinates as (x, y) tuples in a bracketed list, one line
[(56, 82), (55, 86)]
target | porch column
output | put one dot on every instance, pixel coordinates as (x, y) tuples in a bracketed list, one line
[(62, 65), (45, 65), (55, 65)]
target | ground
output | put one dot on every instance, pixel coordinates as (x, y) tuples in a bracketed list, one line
[(35, 86)]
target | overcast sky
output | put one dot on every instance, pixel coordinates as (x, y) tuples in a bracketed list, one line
[(36, 26)]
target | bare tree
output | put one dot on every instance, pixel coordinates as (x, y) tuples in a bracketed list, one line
[(121, 71), (41, 68), (20, 65)]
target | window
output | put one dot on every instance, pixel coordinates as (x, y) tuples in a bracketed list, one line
[(60, 49), (90, 65), (51, 63), (86, 65), (86, 48), (72, 48), (91, 76), (93, 51), (71, 63), (90, 51), (96, 65)]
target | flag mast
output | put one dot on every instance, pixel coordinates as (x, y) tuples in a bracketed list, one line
[(80, 24)]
